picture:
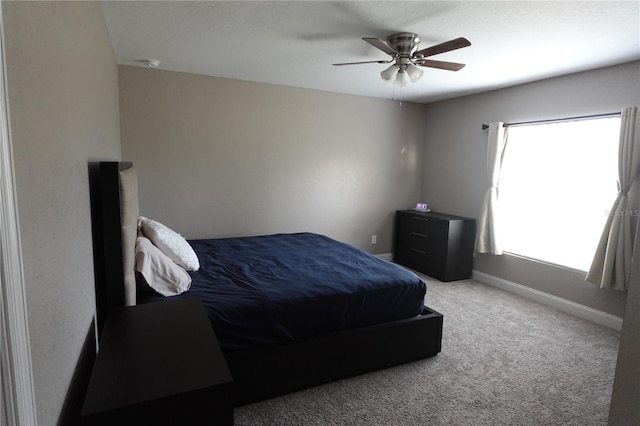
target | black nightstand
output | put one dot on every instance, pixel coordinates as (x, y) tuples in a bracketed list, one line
[(436, 244), (160, 364)]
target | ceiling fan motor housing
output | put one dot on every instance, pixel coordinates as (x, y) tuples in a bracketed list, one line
[(404, 43)]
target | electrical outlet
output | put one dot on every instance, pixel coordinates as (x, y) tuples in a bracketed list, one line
[(374, 239)]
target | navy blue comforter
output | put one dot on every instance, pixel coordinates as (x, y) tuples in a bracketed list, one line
[(277, 288)]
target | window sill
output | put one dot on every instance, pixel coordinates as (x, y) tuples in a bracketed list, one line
[(546, 263)]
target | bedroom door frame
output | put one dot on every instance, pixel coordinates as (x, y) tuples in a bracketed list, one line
[(17, 398)]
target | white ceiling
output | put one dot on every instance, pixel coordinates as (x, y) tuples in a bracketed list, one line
[(295, 43)]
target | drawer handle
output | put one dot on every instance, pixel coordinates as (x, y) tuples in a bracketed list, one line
[(419, 235), (421, 218), (419, 251)]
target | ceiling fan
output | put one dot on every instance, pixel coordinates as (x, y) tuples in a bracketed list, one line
[(402, 47)]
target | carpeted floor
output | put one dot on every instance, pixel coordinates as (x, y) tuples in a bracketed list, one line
[(505, 360)]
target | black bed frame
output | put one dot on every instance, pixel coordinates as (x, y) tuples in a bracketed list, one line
[(270, 371)]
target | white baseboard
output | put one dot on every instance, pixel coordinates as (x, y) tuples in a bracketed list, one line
[(385, 256), (559, 303)]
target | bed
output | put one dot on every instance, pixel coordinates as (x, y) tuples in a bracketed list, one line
[(290, 311)]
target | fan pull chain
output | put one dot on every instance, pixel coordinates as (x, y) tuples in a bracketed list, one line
[(393, 94)]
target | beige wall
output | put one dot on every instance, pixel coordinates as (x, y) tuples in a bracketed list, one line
[(455, 177), (219, 157), (63, 100)]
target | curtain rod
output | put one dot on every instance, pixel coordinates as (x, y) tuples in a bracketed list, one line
[(552, 120)]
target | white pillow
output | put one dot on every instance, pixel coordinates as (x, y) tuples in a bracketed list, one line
[(170, 242), (160, 272)]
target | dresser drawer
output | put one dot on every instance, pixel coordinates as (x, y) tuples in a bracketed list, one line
[(426, 243), (427, 226), (424, 262)]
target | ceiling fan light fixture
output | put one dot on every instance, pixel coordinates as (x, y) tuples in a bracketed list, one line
[(414, 72), (401, 79), (389, 73)]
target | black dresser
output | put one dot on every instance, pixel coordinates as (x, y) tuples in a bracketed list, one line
[(436, 244)]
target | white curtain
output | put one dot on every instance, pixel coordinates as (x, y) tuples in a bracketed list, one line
[(612, 262), (488, 234)]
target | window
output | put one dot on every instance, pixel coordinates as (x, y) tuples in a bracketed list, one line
[(557, 184)]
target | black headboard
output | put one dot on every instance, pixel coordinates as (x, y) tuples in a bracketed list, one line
[(104, 181)]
